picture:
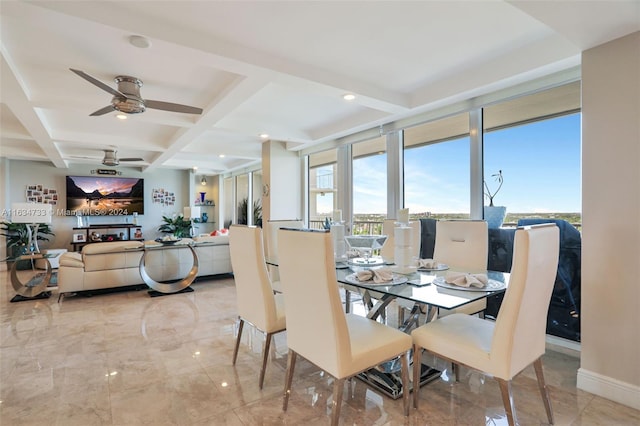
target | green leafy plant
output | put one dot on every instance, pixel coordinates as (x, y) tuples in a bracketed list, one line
[(487, 192), (242, 212), (176, 225), (17, 236)]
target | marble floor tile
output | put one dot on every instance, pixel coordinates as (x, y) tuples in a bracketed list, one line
[(128, 359)]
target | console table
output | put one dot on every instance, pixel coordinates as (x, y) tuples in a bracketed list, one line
[(128, 227), (160, 288)]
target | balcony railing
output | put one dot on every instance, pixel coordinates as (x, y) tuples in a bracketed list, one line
[(361, 227)]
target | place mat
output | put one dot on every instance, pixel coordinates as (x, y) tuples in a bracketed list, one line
[(492, 285), (397, 279)]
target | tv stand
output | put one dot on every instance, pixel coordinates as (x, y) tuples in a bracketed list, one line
[(108, 232)]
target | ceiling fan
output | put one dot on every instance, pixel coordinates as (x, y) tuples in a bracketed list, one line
[(127, 98), (110, 158)]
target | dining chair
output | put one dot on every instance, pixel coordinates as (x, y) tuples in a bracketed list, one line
[(257, 303), (463, 244), (319, 330), (271, 246), (516, 339)]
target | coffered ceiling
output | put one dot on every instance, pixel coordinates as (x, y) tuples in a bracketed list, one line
[(279, 68)]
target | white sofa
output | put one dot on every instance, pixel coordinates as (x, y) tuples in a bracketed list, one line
[(116, 264)]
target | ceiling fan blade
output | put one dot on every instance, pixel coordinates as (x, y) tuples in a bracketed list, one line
[(131, 159), (168, 106), (98, 83), (102, 111)]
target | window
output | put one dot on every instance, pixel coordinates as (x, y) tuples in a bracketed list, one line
[(369, 186), (323, 186), (436, 169), (535, 141)]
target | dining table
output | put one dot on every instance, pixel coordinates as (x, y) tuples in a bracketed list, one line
[(425, 291)]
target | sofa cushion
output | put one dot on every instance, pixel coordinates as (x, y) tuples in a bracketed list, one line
[(71, 259), (111, 255), (220, 239), (111, 247)]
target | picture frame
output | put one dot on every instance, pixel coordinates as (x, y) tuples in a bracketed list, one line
[(79, 238)]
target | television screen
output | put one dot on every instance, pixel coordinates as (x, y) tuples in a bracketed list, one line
[(104, 195)]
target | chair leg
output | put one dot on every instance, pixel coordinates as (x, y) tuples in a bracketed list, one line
[(338, 387), (455, 369), (404, 374), (417, 367), (265, 357), (347, 301), (507, 400), (291, 364), (235, 351), (544, 391)]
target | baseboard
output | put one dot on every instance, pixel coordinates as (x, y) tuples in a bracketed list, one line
[(565, 346), (609, 388)]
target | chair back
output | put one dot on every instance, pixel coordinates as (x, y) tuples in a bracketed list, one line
[(271, 237), (519, 333), (316, 322), (254, 294), (462, 244), (388, 228)]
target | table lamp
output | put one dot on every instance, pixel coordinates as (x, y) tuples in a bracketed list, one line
[(32, 214)]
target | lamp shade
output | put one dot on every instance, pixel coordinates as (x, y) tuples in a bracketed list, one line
[(31, 213), (191, 212)]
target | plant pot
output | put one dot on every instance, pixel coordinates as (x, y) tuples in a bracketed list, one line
[(494, 215)]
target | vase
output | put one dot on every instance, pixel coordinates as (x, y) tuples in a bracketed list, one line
[(205, 217), (494, 215), (202, 194)]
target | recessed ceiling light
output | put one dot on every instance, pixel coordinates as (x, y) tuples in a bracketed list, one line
[(221, 155), (121, 116), (264, 136), (139, 41), (349, 97)]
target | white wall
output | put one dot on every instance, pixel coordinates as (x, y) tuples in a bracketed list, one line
[(281, 172), (23, 173), (610, 358)]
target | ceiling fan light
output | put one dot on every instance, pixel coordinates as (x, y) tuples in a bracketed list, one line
[(139, 41), (121, 116)]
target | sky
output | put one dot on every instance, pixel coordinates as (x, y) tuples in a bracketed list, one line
[(540, 163), (105, 185)]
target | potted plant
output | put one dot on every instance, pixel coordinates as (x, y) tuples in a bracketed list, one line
[(176, 225), (494, 215), (17, 236)]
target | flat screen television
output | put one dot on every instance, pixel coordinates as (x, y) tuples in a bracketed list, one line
[(104, 196)]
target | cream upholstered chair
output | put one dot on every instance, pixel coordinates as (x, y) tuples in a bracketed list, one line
[(517, 338), (257, 303), (463, 244), (319, 330), (271, 246), (388, 229)]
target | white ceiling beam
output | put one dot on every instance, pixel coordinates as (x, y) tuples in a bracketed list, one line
[(17, 99)]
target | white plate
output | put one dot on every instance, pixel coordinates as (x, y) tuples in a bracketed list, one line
[(492, 285), (397, 279), (360, 261), (440, 267)]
